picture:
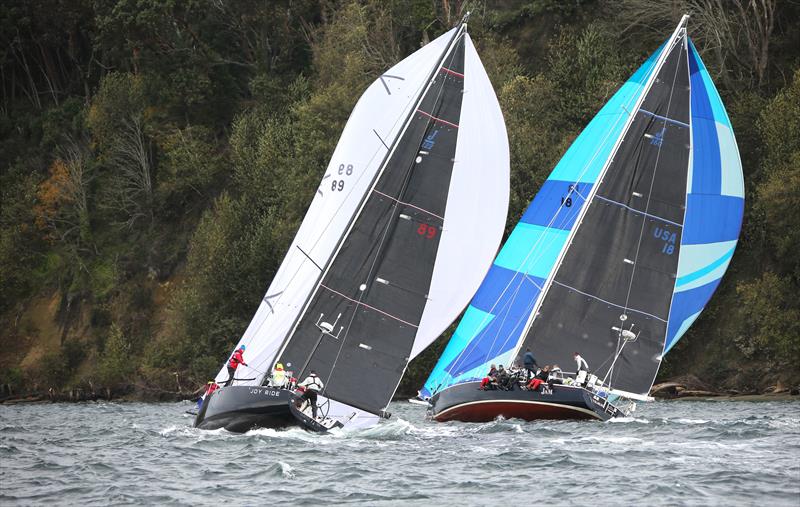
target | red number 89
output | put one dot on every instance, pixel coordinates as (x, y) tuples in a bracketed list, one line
[(426, 230)]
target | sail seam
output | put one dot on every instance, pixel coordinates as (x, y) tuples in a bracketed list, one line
[(448, 71), (434, 118), (665, 118)]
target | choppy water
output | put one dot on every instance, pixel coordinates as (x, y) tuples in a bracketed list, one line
[(693, 453)]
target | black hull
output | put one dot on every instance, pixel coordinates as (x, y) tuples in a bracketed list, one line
[(242, 408), (468, 403)]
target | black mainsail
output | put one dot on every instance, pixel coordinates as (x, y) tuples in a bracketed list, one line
[(375, 290)]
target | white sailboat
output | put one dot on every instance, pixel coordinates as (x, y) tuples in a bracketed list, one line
[(399, 235)]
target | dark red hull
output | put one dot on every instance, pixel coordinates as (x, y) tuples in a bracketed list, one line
[(485, 412), (468, 403)]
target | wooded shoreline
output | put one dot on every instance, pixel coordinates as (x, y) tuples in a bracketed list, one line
[(156, 161)]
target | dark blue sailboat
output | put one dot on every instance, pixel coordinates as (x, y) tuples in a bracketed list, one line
[(615, 257)]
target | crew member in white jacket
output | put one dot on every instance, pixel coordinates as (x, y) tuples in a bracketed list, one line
[(313, 385), (581, 363)]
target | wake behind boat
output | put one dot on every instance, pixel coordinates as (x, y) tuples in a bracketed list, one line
[(615, 257), (387, 255)]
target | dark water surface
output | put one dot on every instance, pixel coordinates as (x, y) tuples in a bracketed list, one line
[(676, 453)]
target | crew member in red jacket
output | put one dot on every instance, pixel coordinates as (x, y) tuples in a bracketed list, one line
[(236, 359)]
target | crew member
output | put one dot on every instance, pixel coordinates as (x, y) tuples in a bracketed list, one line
[(489, 378), (582, 365), (503, 378), (211, 386), (236, 359), (278, 377), (539, 379), (530, 362), (312, 385)]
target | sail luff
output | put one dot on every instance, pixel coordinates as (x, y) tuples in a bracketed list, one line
[(366, 195), (595, 188)]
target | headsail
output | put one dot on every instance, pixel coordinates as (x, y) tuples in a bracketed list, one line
[(494, 321), (366, 319), (604, 237)]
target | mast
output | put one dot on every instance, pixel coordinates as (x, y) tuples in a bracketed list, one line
[(595, 188), (365, 197)]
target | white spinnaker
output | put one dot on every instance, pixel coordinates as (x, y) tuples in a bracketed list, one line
[(477, 204), (374, 123)]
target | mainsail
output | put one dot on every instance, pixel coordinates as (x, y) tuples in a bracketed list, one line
[(625, 242), (387, 257)]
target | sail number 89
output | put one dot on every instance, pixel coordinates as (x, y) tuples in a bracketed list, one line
[(344, 170), (427, 231)]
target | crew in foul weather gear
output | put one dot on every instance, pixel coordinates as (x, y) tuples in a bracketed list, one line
[(539, 379), (236, 359), (490, 378), (278, 377), (311, 385)]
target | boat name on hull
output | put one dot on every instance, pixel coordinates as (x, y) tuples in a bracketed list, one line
[(265, 391)]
